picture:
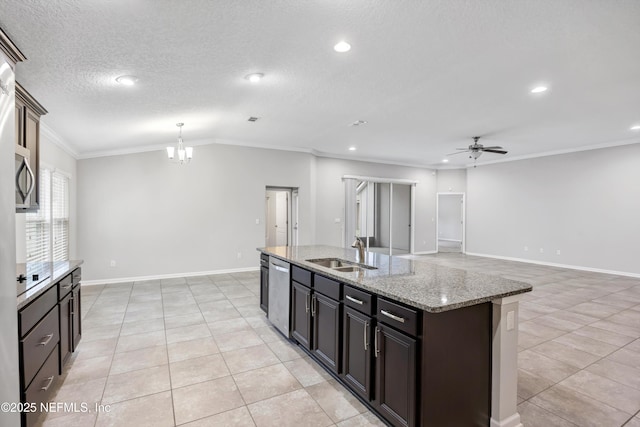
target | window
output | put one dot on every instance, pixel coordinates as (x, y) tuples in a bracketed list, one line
[(48, 228)]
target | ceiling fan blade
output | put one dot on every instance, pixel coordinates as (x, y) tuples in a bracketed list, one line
[(495, 147), (496, 151), (465, 148), (457, 152)]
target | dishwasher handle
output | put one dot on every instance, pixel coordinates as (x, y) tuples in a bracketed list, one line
[(281, 269)]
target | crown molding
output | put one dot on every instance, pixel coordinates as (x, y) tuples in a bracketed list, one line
[(10, 50), (50, 135)]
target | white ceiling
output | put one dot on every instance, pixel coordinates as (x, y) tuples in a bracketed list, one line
[(425, 75)]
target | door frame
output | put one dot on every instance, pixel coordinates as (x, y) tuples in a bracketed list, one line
[(463, 246), (292, 212)]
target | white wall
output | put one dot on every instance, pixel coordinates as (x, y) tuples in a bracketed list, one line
[(401, 216), (452, 180), (330, 198), (154, 218), (584, 204)]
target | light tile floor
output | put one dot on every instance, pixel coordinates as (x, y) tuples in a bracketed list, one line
[(198, 351)]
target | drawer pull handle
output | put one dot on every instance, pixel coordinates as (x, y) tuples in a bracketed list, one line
[(66, 287), (366, 330), (392, 316), (375, 342), (355, 300), (49, 382), (46, 340)]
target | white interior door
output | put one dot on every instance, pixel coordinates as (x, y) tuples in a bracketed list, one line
[(451, 222), (282, 218), (270, 219)]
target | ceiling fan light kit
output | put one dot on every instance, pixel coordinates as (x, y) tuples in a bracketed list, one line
[(476, 149)]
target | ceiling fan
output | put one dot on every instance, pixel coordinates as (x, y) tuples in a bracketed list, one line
[(475, 149)]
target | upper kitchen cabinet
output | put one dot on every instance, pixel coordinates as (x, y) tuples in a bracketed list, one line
[(28, 113)]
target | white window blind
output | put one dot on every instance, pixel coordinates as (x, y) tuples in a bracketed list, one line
[(38, 224), (60, 216), (48, 229)]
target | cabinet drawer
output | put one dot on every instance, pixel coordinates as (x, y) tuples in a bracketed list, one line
[(359, 300), (64, 286), (398, 316), (328, 287), (77, 276), (301, 276), (264, 260), (31, 314), (38, 344), (40, 389)]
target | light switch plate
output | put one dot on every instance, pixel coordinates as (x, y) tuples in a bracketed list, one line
[(511, 320)]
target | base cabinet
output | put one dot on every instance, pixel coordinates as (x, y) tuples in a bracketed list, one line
[(264, 283), (325, 313), (50, 329), (396, 379), (356, 366), (301, 314)]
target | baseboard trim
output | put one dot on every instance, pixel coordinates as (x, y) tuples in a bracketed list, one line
[(165, 276), (450, 240), (424, 253), (554, 264)]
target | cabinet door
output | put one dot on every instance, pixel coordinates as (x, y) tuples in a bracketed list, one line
[(76, 317), (396, 379), (20, 123), (264, 289), (325, 313), (66, 331), (356, 365), (301, 314)]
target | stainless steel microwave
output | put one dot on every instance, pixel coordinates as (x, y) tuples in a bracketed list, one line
[(25, 182)]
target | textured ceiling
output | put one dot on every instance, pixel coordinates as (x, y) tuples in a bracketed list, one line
[(425, 75)]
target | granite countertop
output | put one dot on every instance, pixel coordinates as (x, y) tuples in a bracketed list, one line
[(51, 271), (417, 283)]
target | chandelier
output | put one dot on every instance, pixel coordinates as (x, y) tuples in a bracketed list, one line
[(185, 154)]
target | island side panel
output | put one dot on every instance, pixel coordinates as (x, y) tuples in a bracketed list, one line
[(456, 367)]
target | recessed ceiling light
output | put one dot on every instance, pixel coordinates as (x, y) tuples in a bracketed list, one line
[(635, 127), (445, 160), (352, 148), (342, 47), (358, 123), (127, 80), (254, 78), (539, 89)]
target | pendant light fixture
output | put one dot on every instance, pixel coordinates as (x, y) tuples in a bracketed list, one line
[(185, 154)]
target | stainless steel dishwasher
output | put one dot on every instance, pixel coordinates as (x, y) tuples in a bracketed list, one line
[(279, 294)]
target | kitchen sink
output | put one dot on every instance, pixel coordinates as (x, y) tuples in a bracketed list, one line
[(341, 264)]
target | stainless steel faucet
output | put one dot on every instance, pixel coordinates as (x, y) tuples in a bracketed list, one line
[(358, 244)]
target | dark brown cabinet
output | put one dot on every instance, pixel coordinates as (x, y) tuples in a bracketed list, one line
[(264, 283), (325, 313), (301, 314), (396, 379), (356, 366), (76, 314), (316, 317), (28, 113), (50, 329)]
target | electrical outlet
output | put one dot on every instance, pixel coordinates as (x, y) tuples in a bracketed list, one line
[(337, 220), (526, 248), (257, 221), (541, 250), (558, 252), (239, 255), (112, 263)]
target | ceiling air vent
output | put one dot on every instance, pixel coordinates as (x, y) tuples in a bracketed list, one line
[(253, 119)]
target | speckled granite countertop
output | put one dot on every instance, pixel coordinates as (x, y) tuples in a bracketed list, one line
[(418, 283), (54, 270)]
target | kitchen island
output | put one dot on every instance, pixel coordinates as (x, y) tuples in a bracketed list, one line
[(420, 344)]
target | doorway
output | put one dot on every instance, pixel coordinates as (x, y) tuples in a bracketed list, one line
[(451, 223), (281, 216)]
